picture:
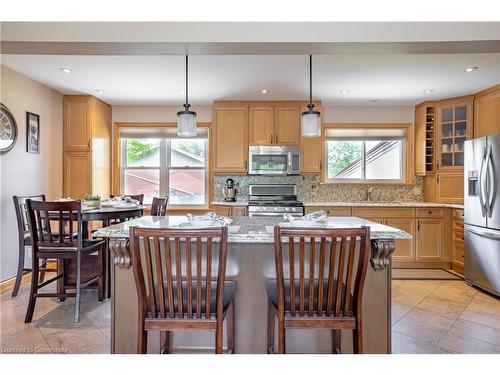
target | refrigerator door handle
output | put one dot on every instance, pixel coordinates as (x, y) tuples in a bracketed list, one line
[(486, 234), (482, 185), (491, 187)]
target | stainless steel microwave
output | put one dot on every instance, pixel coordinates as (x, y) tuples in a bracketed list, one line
[(274, 160)]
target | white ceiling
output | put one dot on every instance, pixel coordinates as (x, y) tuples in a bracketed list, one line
[(155, 80)]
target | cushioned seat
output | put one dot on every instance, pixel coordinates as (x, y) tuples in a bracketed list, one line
[(229, 290)]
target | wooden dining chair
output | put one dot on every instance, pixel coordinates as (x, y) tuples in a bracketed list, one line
[(52, 227), (168, 298), (24, 239), (159, 206), (329, 297)]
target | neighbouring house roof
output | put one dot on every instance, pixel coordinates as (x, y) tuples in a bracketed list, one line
[(376, 152)]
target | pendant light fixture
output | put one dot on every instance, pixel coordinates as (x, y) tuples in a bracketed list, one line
[(186, 119), (310, 120)]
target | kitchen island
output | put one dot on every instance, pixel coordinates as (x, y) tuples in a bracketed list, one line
[(250, 263)]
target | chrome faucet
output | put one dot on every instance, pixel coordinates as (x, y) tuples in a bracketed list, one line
[(369, 192)]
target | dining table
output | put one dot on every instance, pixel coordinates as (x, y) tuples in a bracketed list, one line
[(106, 215)]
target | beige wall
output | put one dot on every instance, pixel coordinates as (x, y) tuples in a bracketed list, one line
[(23, 173)]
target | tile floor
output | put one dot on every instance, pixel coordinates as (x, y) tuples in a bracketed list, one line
[(428, 317)]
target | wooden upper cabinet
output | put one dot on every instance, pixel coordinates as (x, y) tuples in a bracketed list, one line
[(311, 149), (230, 139), (261, 125), (424, 139), (287, 125), (454, 126), (77, 123), (487, 112), (450, 188)]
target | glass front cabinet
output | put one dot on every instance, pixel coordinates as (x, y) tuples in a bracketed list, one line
[(454, 126)]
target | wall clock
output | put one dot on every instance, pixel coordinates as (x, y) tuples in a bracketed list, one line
[(8, 129)]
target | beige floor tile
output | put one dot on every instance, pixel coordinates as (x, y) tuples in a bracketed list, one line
[(430, 318), (485, 303), (466, 345), (477, 331), (408, 298), (61, 333), (420, 287), (25, 338), (421, 333), (456, 291), (402, 344), (442, 306), (487, 319)]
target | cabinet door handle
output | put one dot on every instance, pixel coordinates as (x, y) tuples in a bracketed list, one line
[(320, 164), (88, 143), (276, 138), (271, 138), (418, 224)]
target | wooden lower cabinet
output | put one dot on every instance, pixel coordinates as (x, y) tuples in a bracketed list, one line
[(405, 249), (330, 211), (430, 236), (458, 254), (223, 210)]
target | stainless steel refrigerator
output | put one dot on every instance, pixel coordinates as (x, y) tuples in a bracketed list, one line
[(482, 212)]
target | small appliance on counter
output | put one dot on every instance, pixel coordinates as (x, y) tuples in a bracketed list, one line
[(230, 191)]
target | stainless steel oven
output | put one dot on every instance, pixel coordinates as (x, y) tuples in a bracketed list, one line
[(274, 160)]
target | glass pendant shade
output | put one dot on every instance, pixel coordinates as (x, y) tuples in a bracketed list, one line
[(186, 120), (186, 123), (310, 123)]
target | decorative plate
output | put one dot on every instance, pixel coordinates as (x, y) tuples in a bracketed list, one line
[(8, 129)]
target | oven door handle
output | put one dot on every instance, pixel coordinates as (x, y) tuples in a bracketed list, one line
[(268, 214)]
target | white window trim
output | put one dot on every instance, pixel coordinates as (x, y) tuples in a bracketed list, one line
[(363, 180), (164, 168)]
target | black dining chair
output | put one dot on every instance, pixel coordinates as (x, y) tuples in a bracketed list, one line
[(24, 239), (52, 227), (159, 206)]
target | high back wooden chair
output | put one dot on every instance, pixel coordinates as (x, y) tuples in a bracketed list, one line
[(320, 275), (53, 226), (180, 280), (159, 206), (24, 238)]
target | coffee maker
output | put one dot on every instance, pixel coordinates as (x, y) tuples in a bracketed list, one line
[(229, 191)]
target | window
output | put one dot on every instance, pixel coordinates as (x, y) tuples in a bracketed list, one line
[(372, 154), (165, 166)]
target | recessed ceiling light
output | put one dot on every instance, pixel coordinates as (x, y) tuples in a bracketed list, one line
[(470, 69), (373, 100), (428, 91), (182, 92), (99, 91), (264, 91), (344, 91), (66, 70)]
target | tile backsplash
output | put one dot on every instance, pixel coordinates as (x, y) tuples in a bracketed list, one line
[(310, 189)]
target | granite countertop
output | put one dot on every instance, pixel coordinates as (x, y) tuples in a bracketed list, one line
[(394, 204), (247, 229)]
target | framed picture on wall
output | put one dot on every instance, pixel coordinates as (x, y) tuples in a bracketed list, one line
[(32, 133)]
